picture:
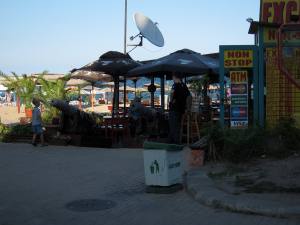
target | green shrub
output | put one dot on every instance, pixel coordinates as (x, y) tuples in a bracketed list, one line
[(3, 131), (215, 140), (283, 140), (21, 130), (242, 145), (6, 132)]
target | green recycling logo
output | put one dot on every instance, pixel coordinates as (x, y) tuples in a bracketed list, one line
[(154, 168)]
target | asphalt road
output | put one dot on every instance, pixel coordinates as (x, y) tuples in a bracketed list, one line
[(37, 184)]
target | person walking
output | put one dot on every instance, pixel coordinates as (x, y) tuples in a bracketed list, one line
[(37, 128), (177, 107)]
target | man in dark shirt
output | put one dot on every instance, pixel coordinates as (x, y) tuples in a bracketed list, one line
[(177, 107)]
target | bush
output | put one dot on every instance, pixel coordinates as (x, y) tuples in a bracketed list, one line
[(215, 140), (242, 145), (3, 131), (21, 130), (48, 115), (283, 140)]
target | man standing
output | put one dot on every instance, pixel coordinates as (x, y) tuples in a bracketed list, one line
[(177, 107)]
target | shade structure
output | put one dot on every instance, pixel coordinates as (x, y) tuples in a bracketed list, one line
[(107, 86), (91, 76), (2, 88), (128, 89), (113, 63), (156, 85), (184, 62), (76, 82)]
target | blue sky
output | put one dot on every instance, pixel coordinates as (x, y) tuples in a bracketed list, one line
[(58, 35)]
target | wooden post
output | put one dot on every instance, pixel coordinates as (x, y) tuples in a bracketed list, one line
[(92, 98), (152, 93), (124, 110), (18, 104), (162, 92)]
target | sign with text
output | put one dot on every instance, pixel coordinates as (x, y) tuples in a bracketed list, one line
[(239, 112), (283, 98), (239, 124), (238, 58), (239, 99), (239, 89), (279, 12)]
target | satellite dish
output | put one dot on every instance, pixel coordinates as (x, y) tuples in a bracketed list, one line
[(149, 30)]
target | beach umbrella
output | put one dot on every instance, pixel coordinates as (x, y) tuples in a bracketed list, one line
[(2, 88), (128, 89), (76, 82), (142, 89), (90, 76), (115, 64), (184, 62), (105, 89), (148, 84)]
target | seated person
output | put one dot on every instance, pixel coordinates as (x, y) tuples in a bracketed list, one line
[(139, 116)]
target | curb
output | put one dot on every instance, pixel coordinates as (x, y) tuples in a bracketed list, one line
[(203, 190)]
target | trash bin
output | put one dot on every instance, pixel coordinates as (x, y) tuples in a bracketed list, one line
[(163, 164)]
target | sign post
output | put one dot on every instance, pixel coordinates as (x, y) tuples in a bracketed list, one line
[(239, 99), (236, 61)]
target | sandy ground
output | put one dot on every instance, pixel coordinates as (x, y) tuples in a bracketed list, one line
[(98, 109), (10, 115)]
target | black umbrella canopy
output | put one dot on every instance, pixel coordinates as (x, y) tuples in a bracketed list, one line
[(113, 63), (184, 62)]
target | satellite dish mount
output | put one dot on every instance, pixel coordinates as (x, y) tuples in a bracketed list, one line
[(141, 40), (148, 30)]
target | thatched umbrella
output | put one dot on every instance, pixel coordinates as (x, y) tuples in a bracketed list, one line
[(92, 77)]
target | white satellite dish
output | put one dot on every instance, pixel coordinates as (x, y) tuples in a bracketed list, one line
[(149, 30)]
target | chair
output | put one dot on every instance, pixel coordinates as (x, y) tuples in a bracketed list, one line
[(116, 127), (189, 128)]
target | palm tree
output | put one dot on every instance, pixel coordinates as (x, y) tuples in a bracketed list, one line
[(52, 90), (24, 87)]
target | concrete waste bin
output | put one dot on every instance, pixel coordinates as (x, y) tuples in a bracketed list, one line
[(163, 165)]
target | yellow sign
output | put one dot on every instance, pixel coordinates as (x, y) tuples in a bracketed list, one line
[(270, 36), (278, 11), (239, 76), (283, 98), (238, 58)]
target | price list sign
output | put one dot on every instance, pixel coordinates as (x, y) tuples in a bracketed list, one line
[(239, 99)]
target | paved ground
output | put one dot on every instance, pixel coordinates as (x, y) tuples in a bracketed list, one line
[(208, 192), (37, 183)]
